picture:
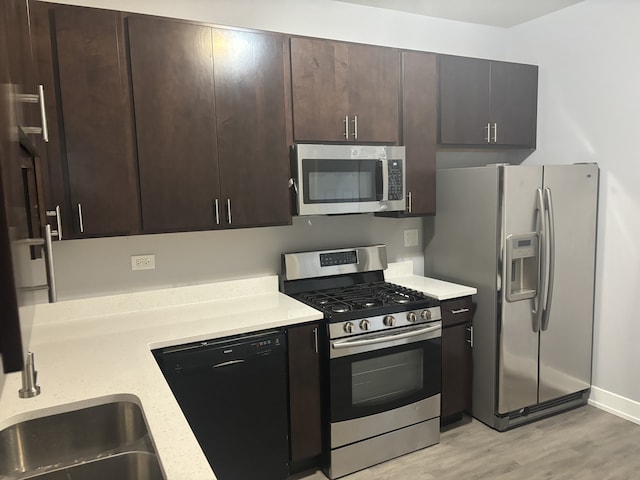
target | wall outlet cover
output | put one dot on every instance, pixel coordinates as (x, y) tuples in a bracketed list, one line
[(411, 237), (143, 262)]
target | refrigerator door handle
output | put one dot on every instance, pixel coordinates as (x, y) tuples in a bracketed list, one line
[(542, 270), (551, 239)]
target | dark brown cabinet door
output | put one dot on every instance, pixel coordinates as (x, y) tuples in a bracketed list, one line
[(253, 155), (319, 75), (173, 91), (344, 92), (419, 118), (374, 93), (457, 357), (464, 100), (93, 117), (514, 100), (484, 102), (456, 370), (304, 396)]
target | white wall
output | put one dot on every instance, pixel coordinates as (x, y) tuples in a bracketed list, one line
[(101, 266), (589, 111)]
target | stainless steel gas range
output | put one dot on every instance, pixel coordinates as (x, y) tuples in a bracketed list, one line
[(381, 346)]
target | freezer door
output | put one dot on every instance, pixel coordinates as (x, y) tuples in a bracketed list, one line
[(517, 336), (566, 336)]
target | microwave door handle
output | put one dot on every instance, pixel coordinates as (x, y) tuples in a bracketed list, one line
[(380, 183)]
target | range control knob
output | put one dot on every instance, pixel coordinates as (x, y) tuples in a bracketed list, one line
[(348, 327), (412, 317), (389, 320), (365, 324), (426, 314)]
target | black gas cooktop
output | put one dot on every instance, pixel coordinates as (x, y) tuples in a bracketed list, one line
[(365, 299)]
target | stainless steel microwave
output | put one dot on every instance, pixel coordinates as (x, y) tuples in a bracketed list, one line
[(339, 179)]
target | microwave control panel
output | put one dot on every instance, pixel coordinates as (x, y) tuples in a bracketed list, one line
[(395, 180)]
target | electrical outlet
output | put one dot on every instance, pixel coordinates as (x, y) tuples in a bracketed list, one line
[(411, 238), (143, 262)]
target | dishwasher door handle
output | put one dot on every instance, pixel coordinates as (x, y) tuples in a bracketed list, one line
[(229, 363)]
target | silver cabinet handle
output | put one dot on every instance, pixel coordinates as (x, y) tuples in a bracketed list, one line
[(80, 218), (346, 126), (488, 127), (495, 132), (355, 127), (45, 243), (470, 341), (39, 98), (217, 207), (315, 338), (48, 263), (56, 213), (409, 202), (43, 114), (460, 310), (229, 210)]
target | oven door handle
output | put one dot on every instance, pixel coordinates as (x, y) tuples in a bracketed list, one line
[(386, 338)]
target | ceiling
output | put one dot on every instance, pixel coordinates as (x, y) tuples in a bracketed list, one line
[(499, 13)]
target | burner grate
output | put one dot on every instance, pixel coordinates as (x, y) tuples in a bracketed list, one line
[(364, 297)]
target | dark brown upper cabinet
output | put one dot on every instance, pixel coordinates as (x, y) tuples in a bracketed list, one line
[(344, 92), (419, 119), (485, 102), (82, 64), (172, 78), (210, 115)]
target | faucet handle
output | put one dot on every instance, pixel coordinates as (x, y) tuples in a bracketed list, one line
[(29, 379)]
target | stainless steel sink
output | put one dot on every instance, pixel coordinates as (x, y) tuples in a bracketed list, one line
[(104, 441)]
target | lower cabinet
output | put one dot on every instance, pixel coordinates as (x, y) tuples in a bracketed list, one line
[(304, 397), (457, 361)]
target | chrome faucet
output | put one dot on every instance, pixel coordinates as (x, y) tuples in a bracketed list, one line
[(29, 379)]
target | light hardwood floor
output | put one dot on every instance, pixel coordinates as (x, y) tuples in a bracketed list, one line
[(585, 444)]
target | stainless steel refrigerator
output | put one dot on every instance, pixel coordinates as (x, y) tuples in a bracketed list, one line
[(525, 236)]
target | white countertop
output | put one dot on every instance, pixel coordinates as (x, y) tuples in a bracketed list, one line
[(401, 273), (95, 350), (101, 347)]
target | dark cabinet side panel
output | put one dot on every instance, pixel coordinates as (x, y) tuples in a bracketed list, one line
[(464, 100), (304, 394), (173, 93), (97, 121), (514, 100), (419, 118), (253, 154)]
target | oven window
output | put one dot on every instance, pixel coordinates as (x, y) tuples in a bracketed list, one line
[(340, 181), (380, 380)]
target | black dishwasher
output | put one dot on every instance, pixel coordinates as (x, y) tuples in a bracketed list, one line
[(233, 392)]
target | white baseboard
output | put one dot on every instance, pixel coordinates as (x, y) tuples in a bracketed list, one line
[(613, 403)]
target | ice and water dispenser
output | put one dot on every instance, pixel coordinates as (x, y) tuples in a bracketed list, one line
[(522, 266)]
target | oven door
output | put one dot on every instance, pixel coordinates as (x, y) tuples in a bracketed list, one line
[(375, 373)]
